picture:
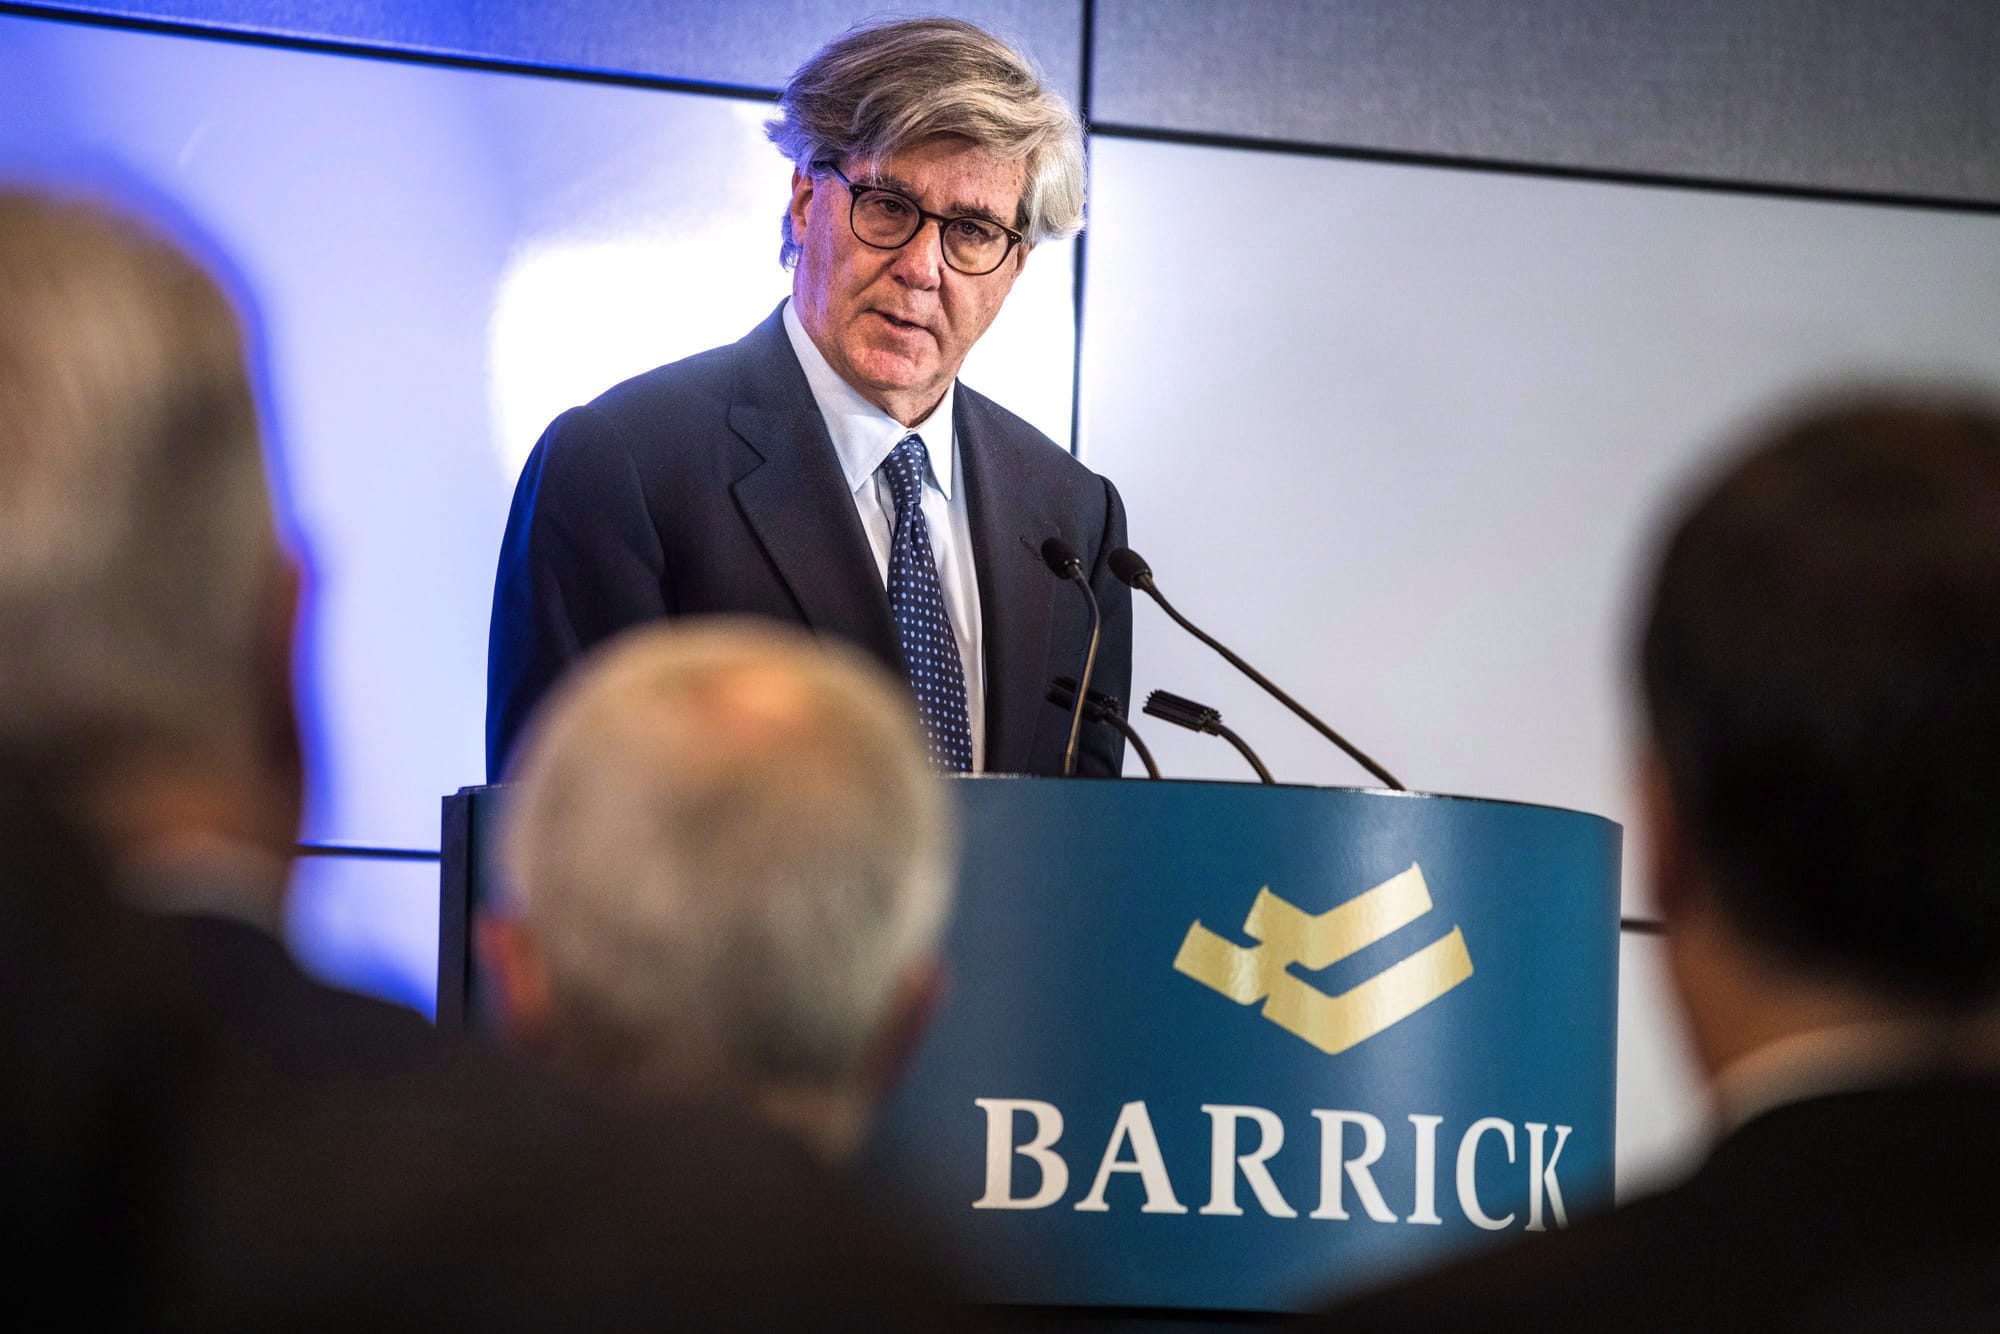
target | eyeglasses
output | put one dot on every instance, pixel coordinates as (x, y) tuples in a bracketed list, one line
[(887, 220)]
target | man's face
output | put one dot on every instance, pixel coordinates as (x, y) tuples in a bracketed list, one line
[(897, 324)]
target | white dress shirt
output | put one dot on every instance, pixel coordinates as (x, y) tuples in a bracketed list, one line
[(863, 435)]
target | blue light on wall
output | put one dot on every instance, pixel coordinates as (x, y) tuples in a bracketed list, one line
[(443, 260)]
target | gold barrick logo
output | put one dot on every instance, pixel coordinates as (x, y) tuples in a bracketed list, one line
[(1287, 936)]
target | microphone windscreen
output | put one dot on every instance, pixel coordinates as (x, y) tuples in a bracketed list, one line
[(1062, 694), (1061, 558), (1183, 712), (1129, 567)]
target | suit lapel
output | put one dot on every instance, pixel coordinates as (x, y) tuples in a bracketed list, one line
[(797, 501), (1016, 590)]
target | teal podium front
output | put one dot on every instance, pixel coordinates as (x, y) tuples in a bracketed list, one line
[(1232, 1048)]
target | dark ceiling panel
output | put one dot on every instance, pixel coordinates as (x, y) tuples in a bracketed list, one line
[(747, 43), (1849, 95)]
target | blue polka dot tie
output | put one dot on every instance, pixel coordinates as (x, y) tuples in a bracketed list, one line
[(916, 598)]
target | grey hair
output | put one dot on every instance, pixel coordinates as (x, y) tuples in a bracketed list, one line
[(878, 88), (728, 847), (136, 535)]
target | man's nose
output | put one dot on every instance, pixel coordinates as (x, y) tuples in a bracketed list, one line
[(920, 262)]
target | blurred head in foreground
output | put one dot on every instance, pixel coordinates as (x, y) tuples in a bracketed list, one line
[(145, 604), (1821, 674), (1820, 666), (203, 1138), (730, 863)]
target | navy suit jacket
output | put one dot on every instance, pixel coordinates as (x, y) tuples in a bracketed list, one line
[(711, 486)]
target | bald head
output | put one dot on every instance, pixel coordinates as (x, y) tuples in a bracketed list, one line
[(729, 853)]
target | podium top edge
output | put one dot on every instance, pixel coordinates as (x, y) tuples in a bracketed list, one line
[(1384, 792)]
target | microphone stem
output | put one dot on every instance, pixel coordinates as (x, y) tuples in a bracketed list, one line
[(1262, 773), (1131, 734), (1388, 779), (1083, 682)]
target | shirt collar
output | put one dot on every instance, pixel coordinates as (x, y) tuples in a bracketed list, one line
[(207, 875), (862, 433), (1815, 1063)]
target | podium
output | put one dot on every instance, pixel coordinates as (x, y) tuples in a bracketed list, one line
[(1232, 1048)]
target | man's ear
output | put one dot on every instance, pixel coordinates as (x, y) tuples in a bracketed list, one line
[(1668, 862), (509, 955), (802, 193), (919, 992)]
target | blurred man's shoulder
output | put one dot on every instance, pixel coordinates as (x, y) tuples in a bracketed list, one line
[(1599, 1275), (1867, 1200), (341, 1164)]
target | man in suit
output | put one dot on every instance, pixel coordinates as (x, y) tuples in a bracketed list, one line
[(1822, 809), (197, 1135), (729, 865), (828, 469)]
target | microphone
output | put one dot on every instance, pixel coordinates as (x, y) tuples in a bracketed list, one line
[(1063, 563), (1200, 718), (1130, 569), (1099, 707)]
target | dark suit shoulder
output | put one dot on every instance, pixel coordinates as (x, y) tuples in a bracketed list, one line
[(701, 384), (1033, 447), (1031, 468), (325, 1163), (1860, 1210), (1618, 1271), (644, 440), (666, 429), (254, 994)]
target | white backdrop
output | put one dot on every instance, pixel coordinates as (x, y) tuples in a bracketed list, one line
[(1403, 436)]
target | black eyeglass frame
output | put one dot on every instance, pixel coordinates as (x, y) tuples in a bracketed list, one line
[(854, 193)]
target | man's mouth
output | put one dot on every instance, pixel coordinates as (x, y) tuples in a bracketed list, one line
[(896, 323)]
